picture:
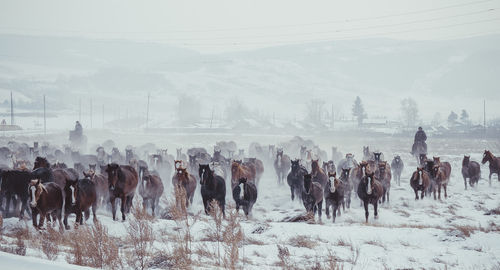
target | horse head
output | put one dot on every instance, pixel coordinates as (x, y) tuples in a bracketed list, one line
[(35, 190), (376, 156), (112, 171), (333, 181), (466, 160), (487, 156), (344, 175), (204, 171), (41, 162)]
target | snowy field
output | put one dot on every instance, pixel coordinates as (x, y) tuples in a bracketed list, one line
[(460, 232)]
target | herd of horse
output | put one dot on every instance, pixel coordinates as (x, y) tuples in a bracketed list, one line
[(54, 191)]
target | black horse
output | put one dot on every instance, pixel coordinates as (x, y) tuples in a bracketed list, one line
[(245, 195), (471, 170), (213, 187), (295, 178), (15, 183)]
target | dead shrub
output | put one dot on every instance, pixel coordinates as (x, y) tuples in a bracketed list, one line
[(232, 236), (50, 243), (94, 247), (140, 235), (284, 258)]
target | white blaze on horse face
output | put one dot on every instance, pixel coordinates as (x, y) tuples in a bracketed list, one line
[(33, 199), (242, 190), (279, 161), (332, 185), (369, 187), (420, 178), (73, 197)]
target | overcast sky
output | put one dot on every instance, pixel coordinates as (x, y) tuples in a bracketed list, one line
[(225, 25)]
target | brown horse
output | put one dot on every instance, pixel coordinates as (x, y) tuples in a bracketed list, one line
[(440, 179), (358, 173), (494, 164), (257, 165), (101, 185), (183, 179), (122, 181), (334, 195), (318, 175), (81, 195), (383, 174), (45, 199), (239, 170), (151, 189), (446, 166), (420, 181)]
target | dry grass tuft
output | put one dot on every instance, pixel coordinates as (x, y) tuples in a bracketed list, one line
[(302, 241), (284, 258), (343, 242), (376, 242), (50, 243)]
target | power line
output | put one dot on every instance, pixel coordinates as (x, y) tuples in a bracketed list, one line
[(422, 11)]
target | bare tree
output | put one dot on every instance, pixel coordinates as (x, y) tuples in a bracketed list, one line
[(409, 110), (314, 110)]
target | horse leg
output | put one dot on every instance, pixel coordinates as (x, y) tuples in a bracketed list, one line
[(375, 207), (327, 208), (320, 206), (87, 215), (205, 206), (365, 203), (335, 209), (445, 193), (439, 191), (416, 193), (465, 183), (34, 213), (292, 191), (42, 219), (113, 206), (24, 202), (388, 193), (7, 205), (123, 207), (153, 206)]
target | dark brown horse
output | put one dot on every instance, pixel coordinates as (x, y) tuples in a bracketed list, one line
[(446, 166), (282, 165), (334, 195), (329, 166), (471, 170), (45, 199), (420, 181), (440, 179), (384, 175), (358, 173), (312, 195), (494, 164), (151, 189), (255, 165), (122, 181), (239, 170), (245, 195), (101, 185), (81, 195), (213, 187), (184, 180), (318, 175), (370, 191)]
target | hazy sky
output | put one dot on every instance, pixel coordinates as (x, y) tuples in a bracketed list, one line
[(221, 25)]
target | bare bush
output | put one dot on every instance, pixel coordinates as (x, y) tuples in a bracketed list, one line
[(140, 235), (94, 247), (232, 236), (50, 243), (215, 229), (284, 257)]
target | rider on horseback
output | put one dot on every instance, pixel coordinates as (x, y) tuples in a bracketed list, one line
[(420, 138)]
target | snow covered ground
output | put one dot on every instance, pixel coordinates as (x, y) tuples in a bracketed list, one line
[(459, 232)]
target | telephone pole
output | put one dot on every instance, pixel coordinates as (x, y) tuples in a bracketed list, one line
[(147, 112), (11, 109), (44, 118)]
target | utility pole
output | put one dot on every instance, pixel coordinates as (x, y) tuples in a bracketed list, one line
[(90, 112), (80, 110), (147, 112), (212, 118), (44, 118), (102, 115), (11, 109)]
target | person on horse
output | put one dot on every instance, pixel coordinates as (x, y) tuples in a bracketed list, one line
[(420, 138), (78, 128)]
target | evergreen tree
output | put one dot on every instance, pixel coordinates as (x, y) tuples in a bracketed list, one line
[(358, 111)]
